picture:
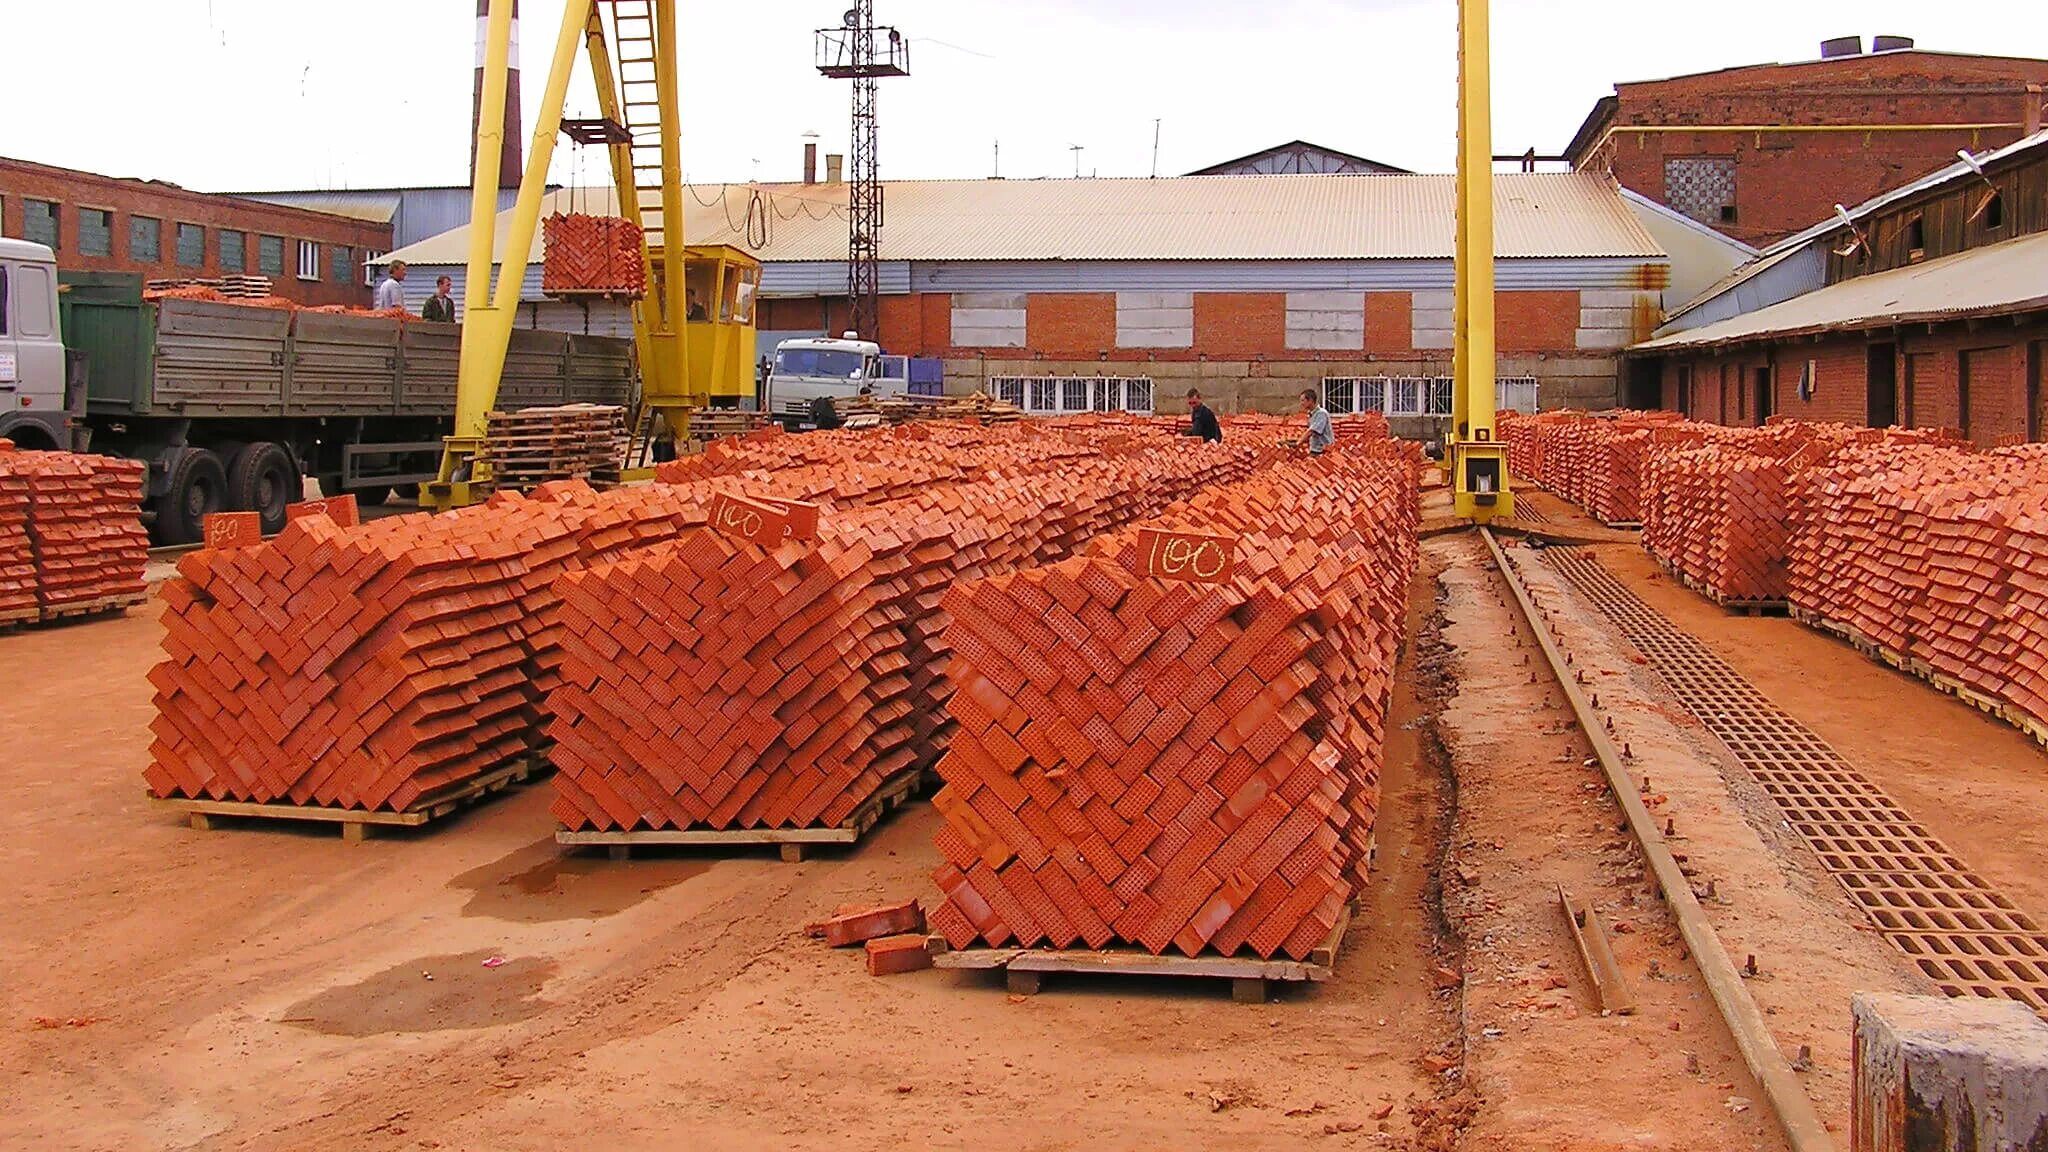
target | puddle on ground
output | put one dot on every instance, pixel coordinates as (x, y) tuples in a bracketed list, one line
[(462, 994), (541, 883)]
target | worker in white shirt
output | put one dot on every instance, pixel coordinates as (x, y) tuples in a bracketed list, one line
[(390, 290), (1320, 434)]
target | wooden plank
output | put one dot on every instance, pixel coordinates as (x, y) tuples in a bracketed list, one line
[(1251, 970), (429, 808), (1609, 986), (894, 793)]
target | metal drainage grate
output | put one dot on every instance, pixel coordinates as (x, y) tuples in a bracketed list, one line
[(1956, 928)]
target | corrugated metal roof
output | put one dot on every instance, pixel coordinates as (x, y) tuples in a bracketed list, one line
[(1312, 217), (2001, 278), (376, 207), (1776, 253)]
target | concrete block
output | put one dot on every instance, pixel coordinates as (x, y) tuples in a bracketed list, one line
[(1182, 301), (1623, 298), (1328, 301), (1432, 337), (1602, 338), (1010, 301), (1934, 1074), (1622, 318)]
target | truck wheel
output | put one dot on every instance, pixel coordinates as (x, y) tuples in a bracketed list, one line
[(198, 485), (262, 479)]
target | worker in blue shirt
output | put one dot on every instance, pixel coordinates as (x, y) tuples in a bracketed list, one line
[(1320, 434), (1201, 421)]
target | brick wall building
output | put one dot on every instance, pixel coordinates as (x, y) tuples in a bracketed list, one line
[(1760, 152), (1933, 314), (162, 231)]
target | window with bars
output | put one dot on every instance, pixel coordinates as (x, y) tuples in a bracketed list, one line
[(191, 246), (1416, 395), (145, 239), (95, 232), (369, 273), (39, 222), (270, 255), (1059, 395)]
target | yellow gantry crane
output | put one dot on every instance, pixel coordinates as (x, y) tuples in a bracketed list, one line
[(1476, 458), (693, 328)]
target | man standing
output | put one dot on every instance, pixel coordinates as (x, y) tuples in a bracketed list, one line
[(1201, 421), (1320, 434), (440, 307), (390, 290)]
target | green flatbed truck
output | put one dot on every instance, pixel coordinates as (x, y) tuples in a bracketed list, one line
[(233, 405)]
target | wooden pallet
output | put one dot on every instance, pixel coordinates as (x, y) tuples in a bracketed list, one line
[(356, 822), (78, 612), (1250, 977), (1732, 604), (792, 842)]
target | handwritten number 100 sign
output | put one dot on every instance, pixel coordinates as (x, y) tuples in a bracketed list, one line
[(1202, 559)]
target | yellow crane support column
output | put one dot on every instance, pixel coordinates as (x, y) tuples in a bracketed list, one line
[(1477, 460), (488, 319)]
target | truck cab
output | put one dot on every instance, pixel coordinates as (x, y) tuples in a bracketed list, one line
[(35, 411), (810, 369)]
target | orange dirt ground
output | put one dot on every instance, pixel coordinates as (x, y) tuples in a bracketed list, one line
[(270, 988)]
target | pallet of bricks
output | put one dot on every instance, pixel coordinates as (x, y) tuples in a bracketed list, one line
[(1594, 460), (562, 442), (1930, 557), (1172, 744), (1717, 501), (776, 676), (72, 542), (392, 672)]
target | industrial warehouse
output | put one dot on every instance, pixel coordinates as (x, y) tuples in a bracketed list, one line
[(1448, 647)]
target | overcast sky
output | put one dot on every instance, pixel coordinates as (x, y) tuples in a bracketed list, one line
[(229, 95)]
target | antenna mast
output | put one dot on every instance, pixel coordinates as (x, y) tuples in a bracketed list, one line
[(850, 52)]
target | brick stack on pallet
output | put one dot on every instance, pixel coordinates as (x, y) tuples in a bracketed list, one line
[(71, 535), (584, 255), (717, 683), (1167, 763), (1928, 555), (559, 442), (1594, 460), (377, 666), (17, 558)]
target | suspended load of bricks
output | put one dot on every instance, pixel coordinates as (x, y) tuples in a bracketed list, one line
[(71, 534), (1174, 741), (776, 668), (591, 255)]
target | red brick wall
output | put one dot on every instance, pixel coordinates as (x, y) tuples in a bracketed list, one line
[(1232, 324), (1932, 398), (1996, 394), (1841, 381), (1535, 321), (901, 321), (171, 206), (1390, 323), (1788, 180), (1070, 323), (791, 315)]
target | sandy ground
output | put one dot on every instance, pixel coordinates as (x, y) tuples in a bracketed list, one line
[(274, 988)]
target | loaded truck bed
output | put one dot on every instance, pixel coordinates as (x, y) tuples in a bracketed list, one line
[(233, 403)]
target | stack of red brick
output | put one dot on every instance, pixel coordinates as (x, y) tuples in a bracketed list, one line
[(1178, 764), (720, 683), (1932, 553), (71, 535), (371, 666), (1593, 459), (600, 254)]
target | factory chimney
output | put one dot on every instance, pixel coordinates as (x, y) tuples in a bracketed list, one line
[(509, 162)]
